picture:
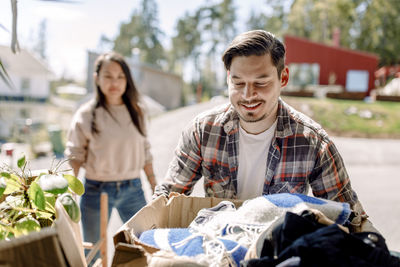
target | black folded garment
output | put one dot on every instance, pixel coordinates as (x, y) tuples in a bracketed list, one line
[(320, 245)]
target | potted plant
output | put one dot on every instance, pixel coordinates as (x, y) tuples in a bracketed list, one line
[(27, 198)]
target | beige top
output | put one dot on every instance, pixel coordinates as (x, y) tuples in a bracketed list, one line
[(118, 152)]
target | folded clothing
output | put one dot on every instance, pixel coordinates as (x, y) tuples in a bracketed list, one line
[(255, 215), (338, 212), (184, 243)]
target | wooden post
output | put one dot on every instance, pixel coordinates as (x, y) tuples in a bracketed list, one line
[(103, 227)]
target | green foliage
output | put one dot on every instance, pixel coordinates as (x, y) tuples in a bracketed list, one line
[(27, 201), (275, 22), (345, 117), (378, 30), (70, 206), (200, 40), (142, 32), (367, 25), (317, 20)]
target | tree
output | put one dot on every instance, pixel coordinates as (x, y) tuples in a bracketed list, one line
[(200, 37), (142, 32), (316, 20), (187, 42), (379, 30), (40, 46), (275, 21)]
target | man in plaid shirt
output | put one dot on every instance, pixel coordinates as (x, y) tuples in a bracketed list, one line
[(258, 144)]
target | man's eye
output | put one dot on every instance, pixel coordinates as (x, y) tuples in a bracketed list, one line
[(261, 84), (239, 84)]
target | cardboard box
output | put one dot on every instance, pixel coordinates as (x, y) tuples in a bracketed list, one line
[(60, 245), (36, 249), (177, 212)]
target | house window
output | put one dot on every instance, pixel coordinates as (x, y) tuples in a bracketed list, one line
[(302, 74), (25, 85), (357, 80)]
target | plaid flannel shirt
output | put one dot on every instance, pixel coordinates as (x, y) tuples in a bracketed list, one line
[(301, 154)]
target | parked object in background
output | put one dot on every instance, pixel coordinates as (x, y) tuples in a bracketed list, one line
[(56, 140), (390, 89)]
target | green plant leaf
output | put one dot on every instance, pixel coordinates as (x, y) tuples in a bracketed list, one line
[(50, 203), (5, 231), (21, 162), (70, 206), (50, 199), (44, 215), (13, 185), (15, 201), (5, 174), (25, 225), (52, 183), (3, 185), (75, 184), (36, 195)]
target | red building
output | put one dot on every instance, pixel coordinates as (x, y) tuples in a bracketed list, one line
[(354, 70)]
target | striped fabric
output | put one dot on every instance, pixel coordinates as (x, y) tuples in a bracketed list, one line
[(300, 154)]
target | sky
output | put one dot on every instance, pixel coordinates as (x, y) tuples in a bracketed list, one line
[(76, 27)]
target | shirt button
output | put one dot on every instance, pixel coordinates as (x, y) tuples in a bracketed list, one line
[(373, 237)]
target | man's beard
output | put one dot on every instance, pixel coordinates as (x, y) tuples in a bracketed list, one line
[(250, 115), (249, 119)]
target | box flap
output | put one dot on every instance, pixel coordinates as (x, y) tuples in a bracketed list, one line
[(35, 249), (128, 255), (153, 215), (183, 209), (70, 237)]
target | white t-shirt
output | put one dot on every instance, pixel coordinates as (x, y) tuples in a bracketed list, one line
[(253, 155)]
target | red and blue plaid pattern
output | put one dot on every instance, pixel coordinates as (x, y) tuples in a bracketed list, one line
[(301, 154)]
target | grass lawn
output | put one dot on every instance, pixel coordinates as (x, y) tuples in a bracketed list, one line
[(352, 118)]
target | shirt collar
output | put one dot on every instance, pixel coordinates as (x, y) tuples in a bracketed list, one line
[(283, 127)]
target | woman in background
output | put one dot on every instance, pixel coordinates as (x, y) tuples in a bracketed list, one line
[(107, 137)]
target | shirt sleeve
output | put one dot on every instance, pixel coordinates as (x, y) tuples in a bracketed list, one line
[(147, 150), (77, 140), (146, 120), (185, 168), (329, 178)]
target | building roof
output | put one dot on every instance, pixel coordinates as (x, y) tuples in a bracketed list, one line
[(338, 48), (22, 63)]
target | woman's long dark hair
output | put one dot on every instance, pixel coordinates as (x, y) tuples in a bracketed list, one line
[(130, 97)]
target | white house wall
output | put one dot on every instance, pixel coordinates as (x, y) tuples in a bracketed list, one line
[(39, 86)]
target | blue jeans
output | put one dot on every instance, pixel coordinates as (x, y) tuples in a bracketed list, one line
[(126, 196)]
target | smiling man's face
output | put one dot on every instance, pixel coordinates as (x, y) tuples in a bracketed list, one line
[(254, 89)]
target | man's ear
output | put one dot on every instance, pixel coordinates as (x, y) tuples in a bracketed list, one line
[(284, 76)]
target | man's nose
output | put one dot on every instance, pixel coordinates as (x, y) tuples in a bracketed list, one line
[(248, 91)]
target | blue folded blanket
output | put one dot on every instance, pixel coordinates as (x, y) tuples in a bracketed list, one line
[(338, 212), (184, 243)]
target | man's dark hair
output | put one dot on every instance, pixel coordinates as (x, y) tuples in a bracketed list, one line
[(256, 42)]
